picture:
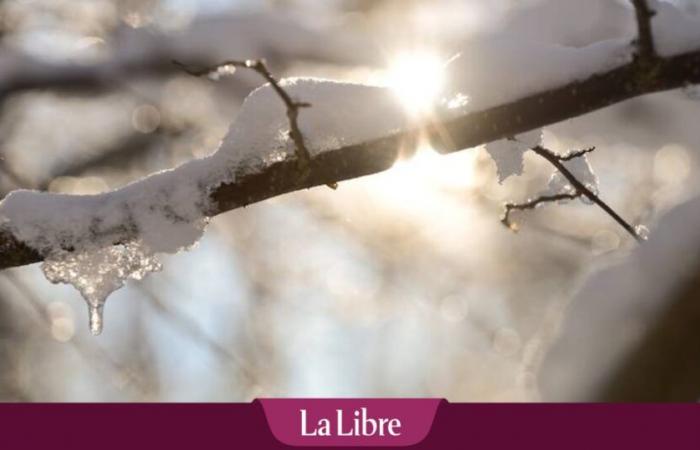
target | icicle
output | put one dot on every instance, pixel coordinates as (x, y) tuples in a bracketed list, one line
[(96, 313), (97, 272)]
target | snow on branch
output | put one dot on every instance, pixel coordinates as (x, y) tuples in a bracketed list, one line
[(97, 242), (573, 154), (293, 106), (229, 67), (274, 147), (343, 160), (532, 204)]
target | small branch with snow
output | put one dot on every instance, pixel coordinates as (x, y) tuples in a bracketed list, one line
[(532, 204), (646, 51), (293, 106), (580, 181), (579, 190), (573, 154)]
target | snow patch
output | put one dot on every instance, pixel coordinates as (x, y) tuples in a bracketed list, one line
[(508, 153), (674, 31), (498, 70), (341, 114), (582, 170)]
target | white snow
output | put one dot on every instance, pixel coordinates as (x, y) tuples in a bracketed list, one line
[(341, 114), (506, 67), (581, 169), (674, 31), (531, 138), (508, 153), (501, 69), (164, 210)]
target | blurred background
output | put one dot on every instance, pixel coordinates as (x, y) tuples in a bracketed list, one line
[(397, 284)]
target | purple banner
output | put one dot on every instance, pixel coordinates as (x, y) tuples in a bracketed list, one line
[(350, 422), (455, 426)]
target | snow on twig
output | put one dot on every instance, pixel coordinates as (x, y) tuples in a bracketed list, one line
[(293, 106), (577, 189)]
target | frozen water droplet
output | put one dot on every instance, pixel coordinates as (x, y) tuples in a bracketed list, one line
[(96, 321), (642, 232)]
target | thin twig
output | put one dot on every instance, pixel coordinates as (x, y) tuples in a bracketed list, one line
[(573, 154), (645, 40), (293, 106), (580, 188), (532, 204)]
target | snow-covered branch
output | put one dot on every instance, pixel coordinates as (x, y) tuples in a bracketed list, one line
[(532, 204), (228, 68), (345, 162)]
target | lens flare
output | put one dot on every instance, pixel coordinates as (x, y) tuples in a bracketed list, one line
[(417, 78), (426, 180)]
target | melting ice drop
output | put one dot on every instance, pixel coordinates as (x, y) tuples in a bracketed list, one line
[(95, 312)]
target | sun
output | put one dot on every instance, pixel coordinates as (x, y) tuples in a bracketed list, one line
[(417, 77), (426, 179)]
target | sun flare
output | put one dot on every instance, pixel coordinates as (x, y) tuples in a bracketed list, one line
[(417, 77), (422, 181)]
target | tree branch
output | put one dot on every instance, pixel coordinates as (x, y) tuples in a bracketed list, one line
[(573, 154), (228, 68), (580, 190), (476, 128), (646, 52), (532, 204), (583, 190)]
